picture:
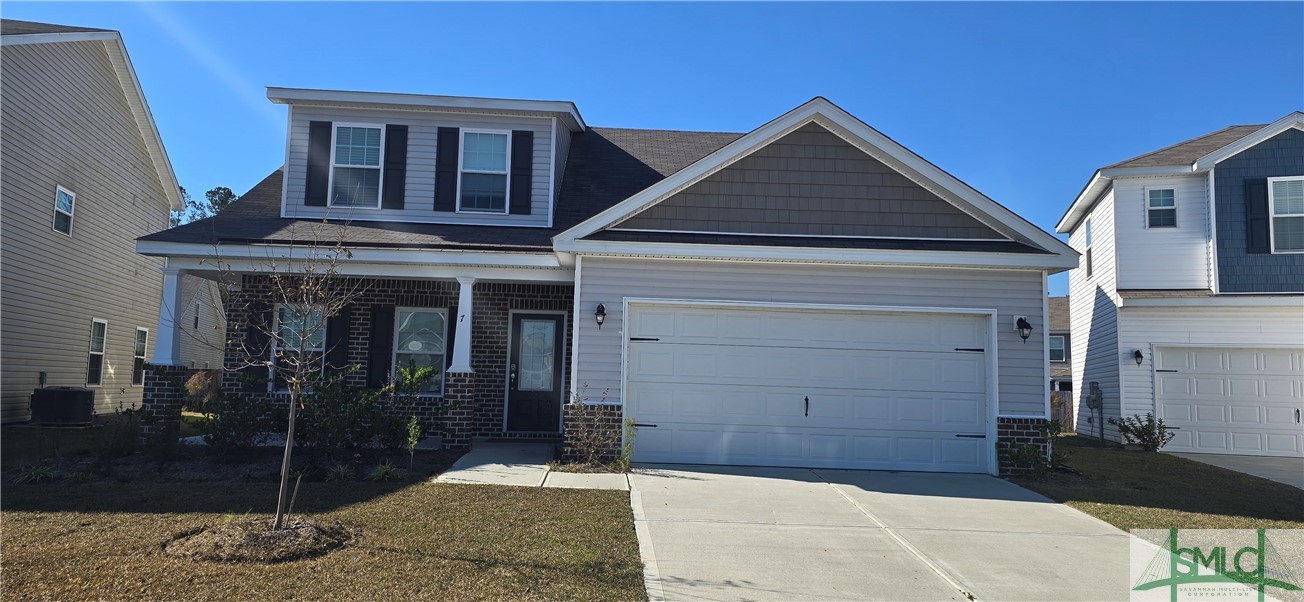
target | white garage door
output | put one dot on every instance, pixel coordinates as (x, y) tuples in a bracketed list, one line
[(723, 385), (1232, 401)]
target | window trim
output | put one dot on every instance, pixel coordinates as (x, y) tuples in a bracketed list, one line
[(1272, 218), (1148, 208), (134, 357), (195, 319), (380, 165), (71, 215), (1064, 350), (506, 173), (1090, 268), (90, 350), (275, 346), (393, 348)]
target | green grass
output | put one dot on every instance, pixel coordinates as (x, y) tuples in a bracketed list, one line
[(1138, 490), (101, 540)]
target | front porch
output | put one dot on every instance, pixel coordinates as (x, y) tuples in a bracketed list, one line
[(500, 348)]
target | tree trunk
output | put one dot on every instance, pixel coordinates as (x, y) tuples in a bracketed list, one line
[(282, 498)]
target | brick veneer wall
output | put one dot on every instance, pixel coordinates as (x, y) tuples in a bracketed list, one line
[(479, 396), (582, 415), (1020, 430), (164, 393)]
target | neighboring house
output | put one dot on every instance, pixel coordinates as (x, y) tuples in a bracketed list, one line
[(83, 173), (1061, 373), (1189, 302), (808, 294), (202, 330)]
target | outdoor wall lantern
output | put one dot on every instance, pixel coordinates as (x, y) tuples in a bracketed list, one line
[(600, 314), (1136, 355), (1025, 329)]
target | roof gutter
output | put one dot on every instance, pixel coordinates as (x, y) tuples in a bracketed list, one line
[(566, 110)]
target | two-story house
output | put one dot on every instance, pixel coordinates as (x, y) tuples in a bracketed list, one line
[(810, 293), (1061, 372), (83, 173), (1189, 300)]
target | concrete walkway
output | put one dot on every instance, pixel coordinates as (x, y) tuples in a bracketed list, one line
[(523, 464), (1282, 470), (720, 533)]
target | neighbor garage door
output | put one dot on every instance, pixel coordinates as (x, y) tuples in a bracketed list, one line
[(791, 387), (1232, 401)]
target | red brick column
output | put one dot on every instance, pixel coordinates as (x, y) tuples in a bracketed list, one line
[(165, 392), (457, 423)]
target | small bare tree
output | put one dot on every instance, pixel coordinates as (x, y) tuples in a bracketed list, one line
[(305, 289)]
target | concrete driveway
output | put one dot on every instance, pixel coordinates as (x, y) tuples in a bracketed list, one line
[(1282, 470), (735, 533)]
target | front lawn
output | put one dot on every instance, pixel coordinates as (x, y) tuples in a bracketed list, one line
[(101, 540), (1137, 490)]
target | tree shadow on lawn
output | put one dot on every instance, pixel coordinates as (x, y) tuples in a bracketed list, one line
[(1111, 475)]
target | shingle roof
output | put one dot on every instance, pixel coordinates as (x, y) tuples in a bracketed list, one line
[(13, 27), (1058, 307), (605, 166), (1186, 152), (830, 242)]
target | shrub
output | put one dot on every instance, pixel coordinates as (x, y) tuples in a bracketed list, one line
[(233, 424), (592, 437), (202, 387), (117, 434), (1032, 457), (35, 473), (339, 472), (385, 472), (336, 418), (1150, 433)]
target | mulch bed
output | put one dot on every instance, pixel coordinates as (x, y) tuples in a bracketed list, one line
[(254, 540)]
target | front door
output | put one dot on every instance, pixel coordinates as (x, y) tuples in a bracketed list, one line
[(534, 373)]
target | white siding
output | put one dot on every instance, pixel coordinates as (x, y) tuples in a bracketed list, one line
[(1093, 314), (201, 347), (422, 143), (65, 121), (1146, 328), (1162, 258), (609, 281), (563, 153)]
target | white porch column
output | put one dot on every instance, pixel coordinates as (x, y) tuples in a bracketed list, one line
[(462, 342), (167, 339)]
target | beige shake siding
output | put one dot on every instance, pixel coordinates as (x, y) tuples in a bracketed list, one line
[(1021, 366), (64, 121)]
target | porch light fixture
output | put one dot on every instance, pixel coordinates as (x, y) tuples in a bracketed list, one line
[(600, 314), (1136, 355), (1025, 329)]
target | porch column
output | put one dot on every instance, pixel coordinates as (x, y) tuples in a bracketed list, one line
[(462, 342), (167, 339)]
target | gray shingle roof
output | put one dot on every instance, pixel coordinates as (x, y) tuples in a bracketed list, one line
[(1058, 307), (13, 27), (605, 166), (1186, 152), (983, 246)]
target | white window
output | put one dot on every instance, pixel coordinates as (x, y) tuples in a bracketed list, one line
[(300, 341), (64, 202), (1086, 256), (95, 361), (482, 184), (1286, 204), (356, 157), (1161, 208), (195, 326), (1057, 348), (138, 356), (420, 340)]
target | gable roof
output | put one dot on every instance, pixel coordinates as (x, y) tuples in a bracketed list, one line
[(1196, 155), (15, 33), (605, 166), (819, 110)]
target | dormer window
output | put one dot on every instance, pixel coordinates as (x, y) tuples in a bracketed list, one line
[(356, 159), (482, 184)]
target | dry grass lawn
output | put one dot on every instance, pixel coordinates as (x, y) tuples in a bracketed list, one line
[(419, 541), (1137, 490)]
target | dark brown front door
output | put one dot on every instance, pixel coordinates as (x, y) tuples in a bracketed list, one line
[(534, 373)]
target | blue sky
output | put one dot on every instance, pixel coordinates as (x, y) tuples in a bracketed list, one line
[(1020, 100)]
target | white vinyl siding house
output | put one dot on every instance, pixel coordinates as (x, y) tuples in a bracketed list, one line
[(71, 120), (1166, 257), (1094, 317)]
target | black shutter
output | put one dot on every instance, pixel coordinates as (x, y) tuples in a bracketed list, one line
[(337, 340), (381, 350), (258, 346), (1257, 216), (319, 164), (395, 178), (451, 338), (522, 171), (446, 169)]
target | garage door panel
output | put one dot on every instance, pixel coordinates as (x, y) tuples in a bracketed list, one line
[(1233, 401)]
